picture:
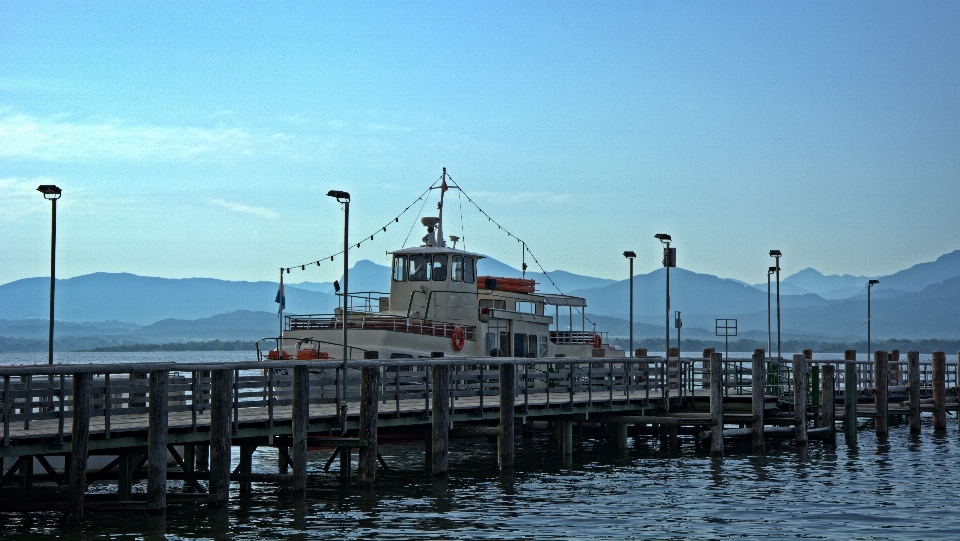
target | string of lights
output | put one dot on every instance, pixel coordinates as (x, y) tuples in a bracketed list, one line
[(368, 238), (396, 220)]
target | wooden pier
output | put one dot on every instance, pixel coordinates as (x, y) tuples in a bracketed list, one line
[(140, 415)]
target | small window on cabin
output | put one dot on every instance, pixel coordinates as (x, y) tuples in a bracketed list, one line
[(469, 271), (399, 268), (457, 274), (419, 268), (439, 268)]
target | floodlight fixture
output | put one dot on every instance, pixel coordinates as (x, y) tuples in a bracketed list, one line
[(341, 197), (629, 255), (49, 191)]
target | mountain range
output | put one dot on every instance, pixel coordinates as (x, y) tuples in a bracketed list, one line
[(922, 301)]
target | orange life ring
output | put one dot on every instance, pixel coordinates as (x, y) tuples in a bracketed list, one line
[(459, 338), (597, 341)]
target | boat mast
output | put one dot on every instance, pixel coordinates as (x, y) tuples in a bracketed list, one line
[(443, 189)]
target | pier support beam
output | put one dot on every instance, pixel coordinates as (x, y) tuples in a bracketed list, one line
[(828, 409), (881, 375), (800, 398), (369, 408), (77, 472), (913, 390), (939, 369), (758, 384), (301, 423), (125, 476), (157, 442), (850, 394), (508, 385), (441, 420), (716, 404), (221, 385)]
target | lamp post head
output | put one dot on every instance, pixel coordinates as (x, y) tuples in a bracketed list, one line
[(775, 253), (872, 282), (771, 270), (341, 197), (629, 255), (49, 191), (662, 237)]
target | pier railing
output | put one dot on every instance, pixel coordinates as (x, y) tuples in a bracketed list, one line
[(37, 401)]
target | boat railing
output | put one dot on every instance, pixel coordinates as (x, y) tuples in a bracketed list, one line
[(445, 329), (365, 302), (578, 337)]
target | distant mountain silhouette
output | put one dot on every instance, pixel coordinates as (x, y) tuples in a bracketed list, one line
[(919, 302)]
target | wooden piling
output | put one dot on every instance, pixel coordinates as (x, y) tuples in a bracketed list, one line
[(221, 386), (828, 411), (623, 437), (716, 404), (880, 389), (125, 476), (706, 376), (77, 470), (850, 393), (508, 385), (202, 458), (369, 410), (157, 442), (440, 409), (245, 468), (939, 390), (758, 386), (800, 398), (566, 438), (300, 425), (913, 390)]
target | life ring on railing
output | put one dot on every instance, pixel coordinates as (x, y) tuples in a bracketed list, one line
[(597, 341), (459, 338)]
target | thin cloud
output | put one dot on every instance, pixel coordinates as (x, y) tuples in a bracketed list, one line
[(25, 136), (19, 197), (246, 209)]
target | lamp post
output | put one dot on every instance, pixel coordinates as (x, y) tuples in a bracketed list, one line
[(631, 255), (344, 198), (870, 285), (776, 254), (669, 260), (770, 270), (52, 193)]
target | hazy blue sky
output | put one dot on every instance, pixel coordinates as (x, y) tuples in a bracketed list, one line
[(199, 138)]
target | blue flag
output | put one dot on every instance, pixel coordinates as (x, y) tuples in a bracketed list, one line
[(281, 298)]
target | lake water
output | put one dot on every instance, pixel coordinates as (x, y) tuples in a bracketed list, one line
[(904, 488)]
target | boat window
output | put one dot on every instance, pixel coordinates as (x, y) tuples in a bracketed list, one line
[(439, 268), (399, 268), (469, 271), (527, 307), (533, 344), (419, 269), (543, 346), (457, 274), (496, 304)]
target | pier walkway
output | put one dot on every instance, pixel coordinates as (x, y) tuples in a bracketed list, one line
[(138, 415)]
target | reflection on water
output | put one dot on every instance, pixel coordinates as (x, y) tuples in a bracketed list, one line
[(902, 488)]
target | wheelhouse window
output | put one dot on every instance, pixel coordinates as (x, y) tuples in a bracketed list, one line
[(439, 268), (399, 268), (457, 274), (419, 268), (469, 271)]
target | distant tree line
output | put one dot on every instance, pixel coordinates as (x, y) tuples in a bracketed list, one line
[(210, 345), (655, 345)]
